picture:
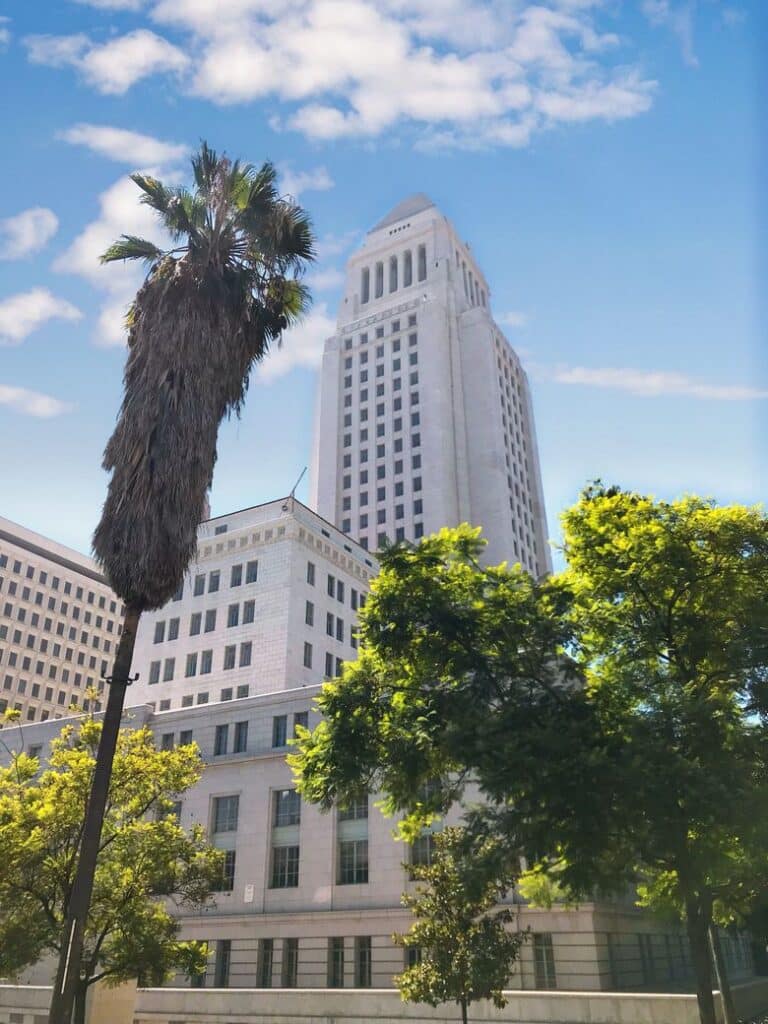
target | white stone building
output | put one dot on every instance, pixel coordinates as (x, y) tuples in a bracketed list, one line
[(424, 412), (59, 624)]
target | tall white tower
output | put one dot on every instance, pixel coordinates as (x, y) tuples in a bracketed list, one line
[(424, 414)]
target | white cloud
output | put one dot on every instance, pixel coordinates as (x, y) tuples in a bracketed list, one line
[(33, 403), (652, 383), (513, 319), (111, 67), (336, 245), (114, 5), (120, 213), (678, 18), (295, 182), (5, 32), (302, 345), (123, 146), (27, 232), (457, 73), (25, 312), (325, 279)]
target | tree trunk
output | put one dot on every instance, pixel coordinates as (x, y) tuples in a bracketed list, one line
[(81, 993), (73, 932), (463, 1004), (729, 1011), (697, 926)]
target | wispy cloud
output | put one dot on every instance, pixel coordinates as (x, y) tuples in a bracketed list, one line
[(295, 182), (513, 318), (649, 383), (123, 146), (678, 17), (111, 67), (325, 279), (5, 32), (25, 312), (27, 232), (33, 403), (302, 345), (120, 212)]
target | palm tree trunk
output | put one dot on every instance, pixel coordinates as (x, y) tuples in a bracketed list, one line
[(73, 932), (464, 1017), (697, 927), (726, 995)]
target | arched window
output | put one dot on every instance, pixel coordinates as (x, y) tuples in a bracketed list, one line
[(482, 295), (422, 260), (379, 291), (365, 285), (407, 269), (393, 273), (464, 272), (471, 289)]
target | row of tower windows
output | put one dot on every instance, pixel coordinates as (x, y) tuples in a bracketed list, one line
[(472, 290), (398, 269)]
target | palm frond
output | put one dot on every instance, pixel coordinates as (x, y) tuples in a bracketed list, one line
[(155, 195), (205, 165), (131, 247)]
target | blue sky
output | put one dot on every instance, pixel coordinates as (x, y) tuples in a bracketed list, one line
[(602, 158)]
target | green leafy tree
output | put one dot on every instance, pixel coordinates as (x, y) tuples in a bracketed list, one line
[(464, 948), (613, 717), (145, 859)]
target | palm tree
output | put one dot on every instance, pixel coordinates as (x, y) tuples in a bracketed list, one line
[(209, 309)]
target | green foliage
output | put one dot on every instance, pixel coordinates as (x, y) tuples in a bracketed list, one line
[(612, 716), (467, 951), (145, 857)]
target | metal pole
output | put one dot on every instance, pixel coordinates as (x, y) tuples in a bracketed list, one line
[(73, 932)]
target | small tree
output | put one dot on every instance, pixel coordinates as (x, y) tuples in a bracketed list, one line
[(145, 859), (465, 951)]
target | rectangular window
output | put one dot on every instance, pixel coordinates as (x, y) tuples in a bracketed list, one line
[(242, 691), (339, 629), (544, 961), (300, 719), (185, 737), (166, 741), (311, 573), (241, 738), (290, 972), (226, 694), (228, 871), (340, 590), (173, 629), (363, 961), (245, 654), (328, 665), (236, 576), (191, 666), (214, 579), (329, 623), (335, 963), (233, 615), (225, 810), (309, 613), (199, 586), (154, 672), (210, 620), (285, 867), (331, 585), (206, 662), (229, 656), (249, 611), (422, 850), (202, 698), (279, 730), (355, 810), (252, 572), (221, 740), (287, 808), (307, 655), (159, 632), (353, 862), (264, 962), (168, 669), (223, 958), (195, 622)]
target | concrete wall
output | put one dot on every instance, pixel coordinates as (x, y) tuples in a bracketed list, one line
[(28, 1005)]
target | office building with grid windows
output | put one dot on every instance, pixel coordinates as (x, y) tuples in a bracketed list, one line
[(424, 412), (59, 625)]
